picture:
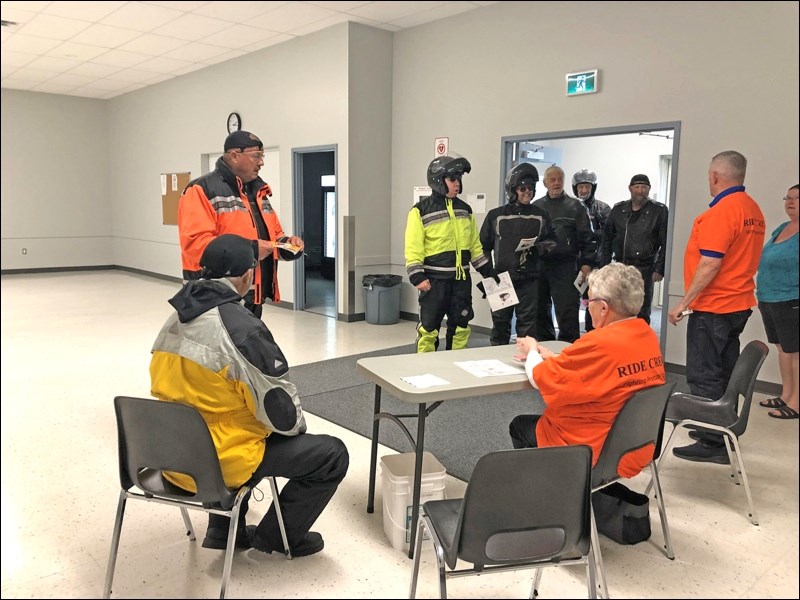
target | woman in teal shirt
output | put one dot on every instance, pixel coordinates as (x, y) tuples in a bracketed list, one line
[(777, 292)]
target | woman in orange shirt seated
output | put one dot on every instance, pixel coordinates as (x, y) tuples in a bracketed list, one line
[(585, 386)]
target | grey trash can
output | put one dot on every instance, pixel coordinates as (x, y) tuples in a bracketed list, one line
[(382, 298)]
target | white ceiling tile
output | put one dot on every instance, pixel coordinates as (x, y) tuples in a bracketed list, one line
[(196, 52), (321, 24), (108, 85), (93, 10), (30, 44), (6, 70), (159, 64), (121, 58), (56, 28), (16, 59), (71, 80), (51, 63), (434, 14), (14, 14), (239, 36), (234, 11), (179, 5), (132, 75), (16, 84), (152, 44), (77, 51), (188, 68), (290, 16), (94, 70), (105, 36), (389, 11), (191, 27), (339, 6), (52, 88), (86, 92), (34, 75), (141, 16)]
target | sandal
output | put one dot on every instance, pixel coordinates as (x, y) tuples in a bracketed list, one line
[(785, 412), (772, 403)]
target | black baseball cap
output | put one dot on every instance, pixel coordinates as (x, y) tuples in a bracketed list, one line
[(228, 255)]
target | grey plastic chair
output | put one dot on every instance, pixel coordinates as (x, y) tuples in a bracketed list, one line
[(726, 415), (522, 509), (156, 436), (640, 422)]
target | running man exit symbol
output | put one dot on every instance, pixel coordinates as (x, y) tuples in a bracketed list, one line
[(585, 82)]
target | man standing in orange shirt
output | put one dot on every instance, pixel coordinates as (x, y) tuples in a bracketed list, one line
[(719, 265)]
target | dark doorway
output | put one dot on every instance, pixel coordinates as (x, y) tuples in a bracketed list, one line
[(315, 209)]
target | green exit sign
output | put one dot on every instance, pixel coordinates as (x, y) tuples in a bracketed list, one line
[(585, 82)]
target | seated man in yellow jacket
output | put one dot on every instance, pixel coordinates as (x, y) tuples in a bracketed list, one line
[(215, 355)]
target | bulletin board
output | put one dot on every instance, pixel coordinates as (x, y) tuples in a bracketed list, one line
[(172, 186)]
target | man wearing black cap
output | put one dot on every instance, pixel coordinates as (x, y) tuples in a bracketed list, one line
[(636, 234), (215, 355), (234, 199)]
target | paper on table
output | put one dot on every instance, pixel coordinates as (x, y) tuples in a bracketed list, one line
[(488, 368), (500, 295), (424, 381)]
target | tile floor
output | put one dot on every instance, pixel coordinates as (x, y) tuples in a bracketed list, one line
[(72, 341)]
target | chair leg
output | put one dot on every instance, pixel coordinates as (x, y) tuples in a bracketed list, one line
[(662, 510), (188, 523), (273, 484), (591, 573), (537, 578), (598, 560), (734, 464), (664, 450), (740, 461), (112, 556), (412, 592)]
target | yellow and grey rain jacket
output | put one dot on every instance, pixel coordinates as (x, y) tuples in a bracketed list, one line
[(441, 239), (214, 355)]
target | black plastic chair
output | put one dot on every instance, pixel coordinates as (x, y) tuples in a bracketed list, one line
[(527, 508), (726, 415), (640, 422), (156, 436)]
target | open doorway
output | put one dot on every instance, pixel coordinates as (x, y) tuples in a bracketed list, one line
[(315, 211), (615, 154)]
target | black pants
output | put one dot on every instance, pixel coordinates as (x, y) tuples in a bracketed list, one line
[(314, 466), (647, 276), (523, 431), (451, 298), (712, 349), (526, 314), (557, 281), (249, 304)]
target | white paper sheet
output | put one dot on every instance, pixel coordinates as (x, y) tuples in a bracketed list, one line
[(424, 381), (489, 368), (500, 295), (581, 282)]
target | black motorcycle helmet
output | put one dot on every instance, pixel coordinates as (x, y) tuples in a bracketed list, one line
[(446, 166), (584, 176), (522, 173)]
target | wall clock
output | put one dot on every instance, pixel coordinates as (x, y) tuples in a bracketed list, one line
[(234, 122)]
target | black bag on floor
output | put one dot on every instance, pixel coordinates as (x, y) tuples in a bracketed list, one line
[(622, 514)]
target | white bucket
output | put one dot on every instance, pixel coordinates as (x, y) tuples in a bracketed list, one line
[(397, 476)]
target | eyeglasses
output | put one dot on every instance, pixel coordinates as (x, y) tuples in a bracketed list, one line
[(252, 154), (454, 177), (524, 188), (597, 300), (787, 198)]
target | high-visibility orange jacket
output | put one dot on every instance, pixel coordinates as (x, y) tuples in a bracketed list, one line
[(217, 203)]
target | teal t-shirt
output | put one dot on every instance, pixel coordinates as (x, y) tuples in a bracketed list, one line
[(777, 279)]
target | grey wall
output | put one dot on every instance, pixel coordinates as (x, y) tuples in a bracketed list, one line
[(80, 177)]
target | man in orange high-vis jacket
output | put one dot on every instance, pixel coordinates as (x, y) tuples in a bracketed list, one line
[(587, 384), (234, 199), (719, 266)]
